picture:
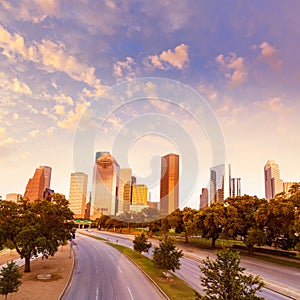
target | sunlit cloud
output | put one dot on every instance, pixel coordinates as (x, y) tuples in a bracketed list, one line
[(270, 55), (233, 68), (169, 58), (14, 85), (48, 54), (124, 70), (15, 116), (62, 98), (72, 117), (34, 132), (275, 105), (59, 109)]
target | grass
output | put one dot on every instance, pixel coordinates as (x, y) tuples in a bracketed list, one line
[(173, 287)]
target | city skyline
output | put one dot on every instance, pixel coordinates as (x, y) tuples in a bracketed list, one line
[(55, 60)]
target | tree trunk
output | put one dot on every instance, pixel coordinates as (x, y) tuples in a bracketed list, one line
[(27, 263), (250, 249), (186, 239), (150, 233), (213, 243)]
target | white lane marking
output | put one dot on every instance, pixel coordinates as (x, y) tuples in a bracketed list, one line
[(119, 269), (130, 293), (97, 293)]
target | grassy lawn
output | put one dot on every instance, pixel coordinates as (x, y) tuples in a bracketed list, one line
[(174, 287)]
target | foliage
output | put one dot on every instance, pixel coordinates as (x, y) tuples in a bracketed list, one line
[(224, 279), (10, 279), (167, 256), (141, 244), (35, 227)]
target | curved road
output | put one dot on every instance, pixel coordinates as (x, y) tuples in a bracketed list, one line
[(285, 279), (102, 272)]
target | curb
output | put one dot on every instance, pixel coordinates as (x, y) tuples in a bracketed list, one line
[(69, 278), (149, 278)]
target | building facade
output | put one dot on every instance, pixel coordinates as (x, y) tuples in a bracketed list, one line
[(203, 199), (273, 183), (220, 179), (78, 193), (37, 185), (169, 183), (124, 202), (235, 187), (14, 197), (139, 198), (105, 186)]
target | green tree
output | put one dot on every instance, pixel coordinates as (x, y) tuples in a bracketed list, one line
[(224, 279), (35, 227), (10, 279), (212, 222), (244, 220), (140, 243), (167, 256)]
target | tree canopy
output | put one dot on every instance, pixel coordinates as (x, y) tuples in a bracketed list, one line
[(35, 227), (224, 278)]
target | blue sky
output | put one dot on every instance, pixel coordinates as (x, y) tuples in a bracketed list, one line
[(56, 58)]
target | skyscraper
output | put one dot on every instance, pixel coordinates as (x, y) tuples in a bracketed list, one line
[(105, 186), (235, 187), (273, 183), (139, 197), (203, 199), (77, 193), (125, 178), (220, 177), (38, 183), (169, 183)]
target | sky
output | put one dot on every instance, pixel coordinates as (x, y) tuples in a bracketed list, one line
[(68, 68)]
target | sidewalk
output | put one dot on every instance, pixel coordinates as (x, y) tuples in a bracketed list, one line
[(59, 266)]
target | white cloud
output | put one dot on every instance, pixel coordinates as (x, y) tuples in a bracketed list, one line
[(124, 70), (208, 92), (62, 98), (15, 116), (233, 67), (14, 85), (270, 55), (169, 58), (52, 56), (72, 117), (275, 105), (59, 109), (34, 132)]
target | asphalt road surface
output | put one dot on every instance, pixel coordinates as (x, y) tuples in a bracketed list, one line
[(102, 272), (287, 278)]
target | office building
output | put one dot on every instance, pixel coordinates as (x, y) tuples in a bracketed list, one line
[(169, 183), (220, 178), (273, 183), (124, 178), (235, 187), (77, 194), (287, 187), (14, 197), (37, 185), (203, 199), (105, 186), (139, 198)]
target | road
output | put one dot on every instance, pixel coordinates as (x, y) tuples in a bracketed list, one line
[(280, 280), (102, 272)]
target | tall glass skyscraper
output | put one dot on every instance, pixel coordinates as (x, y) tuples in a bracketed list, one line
[(77, 193), (105, 186), (169, 183), (220, 177), (123, 199), (235, 187), (37, 185), (273, 183)]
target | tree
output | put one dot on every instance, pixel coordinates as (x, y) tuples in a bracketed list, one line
[(167, 256), (244, 221), (10, 279), (224, 279), (35, 227), (141, 244)]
